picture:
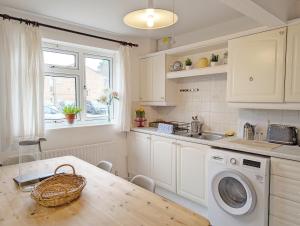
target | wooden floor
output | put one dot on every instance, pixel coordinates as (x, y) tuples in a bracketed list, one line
[(107, 200)]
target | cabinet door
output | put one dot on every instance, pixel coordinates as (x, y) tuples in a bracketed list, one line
[(139, 154), (257, 67), (159, 78), (292, 85), (192, 171), (146, 79), (163, 162)]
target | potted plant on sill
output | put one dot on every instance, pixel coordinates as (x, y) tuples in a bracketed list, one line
[(188, 64), (107, 99), (70, 112), (214, 60)]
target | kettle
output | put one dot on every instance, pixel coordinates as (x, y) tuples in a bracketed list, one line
[(196, 126)]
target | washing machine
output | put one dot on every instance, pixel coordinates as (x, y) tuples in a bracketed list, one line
[(238, 193)]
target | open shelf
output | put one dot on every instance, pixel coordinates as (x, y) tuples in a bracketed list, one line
[(215, 70)]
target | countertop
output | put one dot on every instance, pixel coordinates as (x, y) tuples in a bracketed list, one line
[(283, 151), (106, 200)]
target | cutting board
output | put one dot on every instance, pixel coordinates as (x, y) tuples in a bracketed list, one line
[(256, 144)]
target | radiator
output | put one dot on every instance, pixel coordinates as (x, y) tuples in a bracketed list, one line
[(92, 153)]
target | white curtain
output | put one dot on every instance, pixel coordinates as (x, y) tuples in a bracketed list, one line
[(21, 83), (124, 88)]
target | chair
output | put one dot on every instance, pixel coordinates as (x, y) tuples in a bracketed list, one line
[(15, 160), (105, 165), (144, 182)]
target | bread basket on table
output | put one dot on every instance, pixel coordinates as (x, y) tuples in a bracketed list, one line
[(59, 189)]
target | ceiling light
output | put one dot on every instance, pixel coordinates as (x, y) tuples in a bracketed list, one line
[(150, 18)]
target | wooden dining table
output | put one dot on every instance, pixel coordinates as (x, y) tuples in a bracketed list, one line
[(107, 200)]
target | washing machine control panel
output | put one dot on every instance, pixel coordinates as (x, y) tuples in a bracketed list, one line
[(251, 163)]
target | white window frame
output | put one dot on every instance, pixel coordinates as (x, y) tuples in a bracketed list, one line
[(79, 72), (54, 50), (77, 93), (111, 79)]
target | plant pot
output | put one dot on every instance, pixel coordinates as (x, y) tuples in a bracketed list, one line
[(70, 118), (140, 122), (213, 63), (189, 67)]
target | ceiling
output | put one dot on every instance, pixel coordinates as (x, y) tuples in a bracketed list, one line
[(108, 15)]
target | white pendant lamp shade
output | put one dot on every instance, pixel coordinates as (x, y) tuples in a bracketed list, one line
[(150, 18)]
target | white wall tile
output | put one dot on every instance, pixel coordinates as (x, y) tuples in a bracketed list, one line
[(211, 107)]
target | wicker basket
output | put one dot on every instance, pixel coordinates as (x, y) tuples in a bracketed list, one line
[(59, 189)]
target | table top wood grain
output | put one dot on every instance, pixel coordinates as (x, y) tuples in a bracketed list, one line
[(107, 200)]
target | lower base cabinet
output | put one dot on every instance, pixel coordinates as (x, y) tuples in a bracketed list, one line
[(139, 154), (177, 166), (163, 162), (284, 192), (192, 171)]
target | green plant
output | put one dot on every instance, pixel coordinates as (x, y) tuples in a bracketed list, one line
[(71, 110), (188, 62), (140, 112), (214, 58)]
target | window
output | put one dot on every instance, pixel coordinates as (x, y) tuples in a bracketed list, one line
[(97, 77), (75, 76), (59, 91), (59, 59)]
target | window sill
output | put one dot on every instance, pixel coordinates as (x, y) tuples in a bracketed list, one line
[(77, 124)]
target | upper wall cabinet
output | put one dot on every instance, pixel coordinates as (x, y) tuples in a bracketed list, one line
[(256, 70), (292, 85), (154, 89)]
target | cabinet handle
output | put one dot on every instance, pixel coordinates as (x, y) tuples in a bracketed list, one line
[(251, 78), (281, 32)]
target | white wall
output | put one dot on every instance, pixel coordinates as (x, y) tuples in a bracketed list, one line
[(69, 137)]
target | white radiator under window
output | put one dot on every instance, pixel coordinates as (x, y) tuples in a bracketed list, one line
[(92, 153)]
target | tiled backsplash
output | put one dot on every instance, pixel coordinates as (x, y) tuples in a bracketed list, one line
[(209, 103), (261, 118)]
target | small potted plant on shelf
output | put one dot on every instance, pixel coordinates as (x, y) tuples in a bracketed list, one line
[(214, 60), (188, 64), (70, 112), (140, 117), (107, 99)]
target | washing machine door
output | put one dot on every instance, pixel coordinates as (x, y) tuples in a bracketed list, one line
[(233, 192)]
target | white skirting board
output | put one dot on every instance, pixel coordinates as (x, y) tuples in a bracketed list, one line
[(202, 210)]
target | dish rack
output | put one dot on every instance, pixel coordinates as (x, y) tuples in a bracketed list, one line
[(179, 127)]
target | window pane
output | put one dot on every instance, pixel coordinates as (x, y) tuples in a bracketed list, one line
[(59, 59), (58, 92), (97, 74)]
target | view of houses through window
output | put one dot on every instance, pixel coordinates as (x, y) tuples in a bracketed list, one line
[(76, 78)]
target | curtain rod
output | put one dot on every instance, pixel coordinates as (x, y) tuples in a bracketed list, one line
[(35, 23)]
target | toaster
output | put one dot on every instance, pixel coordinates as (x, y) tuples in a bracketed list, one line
[(282, 134)]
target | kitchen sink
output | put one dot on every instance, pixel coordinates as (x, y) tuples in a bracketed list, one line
[(207, 136)]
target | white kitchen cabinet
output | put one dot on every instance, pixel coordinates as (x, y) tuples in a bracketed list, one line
[(284, 192), (154, 88), (256, 70), (159, 78), (192, 171), (163, 162), (139, 153), (292, 85), (146, 79)]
